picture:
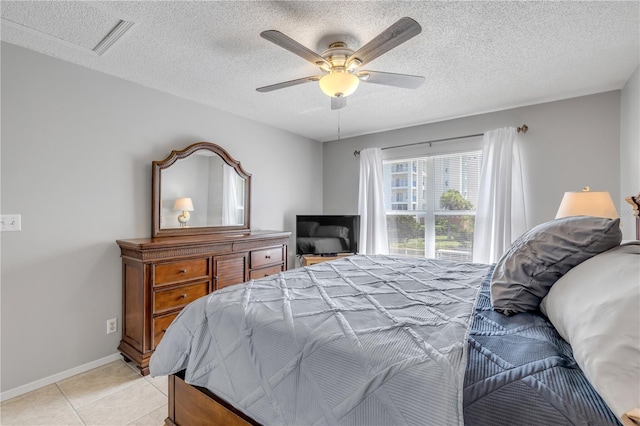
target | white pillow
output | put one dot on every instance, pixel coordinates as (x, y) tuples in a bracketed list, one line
[(596, 308)]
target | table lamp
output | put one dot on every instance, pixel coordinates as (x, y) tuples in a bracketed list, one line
[(587, 203), (185, 205)]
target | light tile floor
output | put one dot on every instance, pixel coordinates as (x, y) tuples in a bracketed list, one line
[(114, 395)]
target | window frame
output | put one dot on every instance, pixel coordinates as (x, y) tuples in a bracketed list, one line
[(430, 151)]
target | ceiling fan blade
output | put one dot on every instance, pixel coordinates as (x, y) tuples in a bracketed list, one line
[(396, 34), (288, 83), (339, 102), (293, 46), (391, 79)]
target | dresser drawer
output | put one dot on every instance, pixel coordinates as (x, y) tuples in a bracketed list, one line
[(264, 272), (260, 258), (160, 325), (230, 269), (165, 300), (181, 271)]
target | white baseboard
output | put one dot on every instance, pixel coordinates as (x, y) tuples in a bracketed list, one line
[(20, 390)]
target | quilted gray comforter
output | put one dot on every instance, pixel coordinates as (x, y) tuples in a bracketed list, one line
[(369, 340)]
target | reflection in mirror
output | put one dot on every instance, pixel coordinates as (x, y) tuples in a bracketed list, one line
[(215, 189), (232, 197), (199, 190), (185, 205)]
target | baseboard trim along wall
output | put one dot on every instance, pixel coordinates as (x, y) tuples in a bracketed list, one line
[(21, 390)]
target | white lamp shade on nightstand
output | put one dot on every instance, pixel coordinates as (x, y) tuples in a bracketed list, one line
[(183, 204), (587, 203)]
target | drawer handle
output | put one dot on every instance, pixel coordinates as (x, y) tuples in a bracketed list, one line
[(184, 296), (267, 256), (184, 271)]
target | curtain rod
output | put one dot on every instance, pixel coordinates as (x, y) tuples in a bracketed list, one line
[(522, 129)]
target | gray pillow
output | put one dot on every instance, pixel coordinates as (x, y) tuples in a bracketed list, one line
[(526, 272), (332, 231), (306, 229)]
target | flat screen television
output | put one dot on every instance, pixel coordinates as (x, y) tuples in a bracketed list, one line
[(327, 234)]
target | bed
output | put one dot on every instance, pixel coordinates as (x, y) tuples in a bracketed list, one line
[(394, 340)]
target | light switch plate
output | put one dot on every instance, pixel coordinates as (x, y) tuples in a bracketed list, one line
[(10, 222)]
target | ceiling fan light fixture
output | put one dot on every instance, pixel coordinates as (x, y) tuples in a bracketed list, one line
[(339, 83)]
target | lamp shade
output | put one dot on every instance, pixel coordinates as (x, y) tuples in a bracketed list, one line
[(183, 204), (339, 83), (587, 203)]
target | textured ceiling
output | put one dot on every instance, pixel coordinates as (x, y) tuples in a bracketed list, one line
[(476, 56)]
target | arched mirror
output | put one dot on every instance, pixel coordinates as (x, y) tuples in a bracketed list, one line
[(200, 190)]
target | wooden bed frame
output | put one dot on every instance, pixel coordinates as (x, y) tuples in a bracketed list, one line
[(195, 406)]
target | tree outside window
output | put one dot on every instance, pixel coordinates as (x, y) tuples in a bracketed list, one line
[(435, 217)]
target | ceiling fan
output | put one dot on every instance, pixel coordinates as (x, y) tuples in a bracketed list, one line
[(340, 65)]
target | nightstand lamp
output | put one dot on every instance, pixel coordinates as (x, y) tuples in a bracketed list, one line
[(587, 203), (185, 205)]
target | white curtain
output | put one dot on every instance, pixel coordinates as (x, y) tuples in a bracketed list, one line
[(373, 221), (229, 197), (500, 216)]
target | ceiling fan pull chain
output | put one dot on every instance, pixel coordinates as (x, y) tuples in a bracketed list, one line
[(338, 125)]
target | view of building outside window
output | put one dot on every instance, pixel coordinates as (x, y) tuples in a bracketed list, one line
[(431, 205)]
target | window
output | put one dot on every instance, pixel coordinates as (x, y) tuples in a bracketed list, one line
[(435, 217)]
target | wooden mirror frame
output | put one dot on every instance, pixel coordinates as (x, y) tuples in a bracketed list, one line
[(635, 205), (156, 192)]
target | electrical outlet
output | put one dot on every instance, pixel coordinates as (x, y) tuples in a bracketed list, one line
[(11, 222), (112, 325)]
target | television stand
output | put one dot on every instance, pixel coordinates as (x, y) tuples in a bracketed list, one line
[(311, 259)]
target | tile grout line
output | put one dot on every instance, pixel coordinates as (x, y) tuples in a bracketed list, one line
[(109, 393), (132, 378), (144, 415), (70, 405), (147, 378), (153, 386)]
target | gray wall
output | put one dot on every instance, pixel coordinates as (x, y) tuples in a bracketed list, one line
[(77, 148), (570, 144), (629, 150)]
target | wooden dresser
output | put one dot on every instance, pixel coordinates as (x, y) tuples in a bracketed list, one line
[(160, 276)]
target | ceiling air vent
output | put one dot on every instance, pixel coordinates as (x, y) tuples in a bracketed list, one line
[(115, 34), (87, 26)]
